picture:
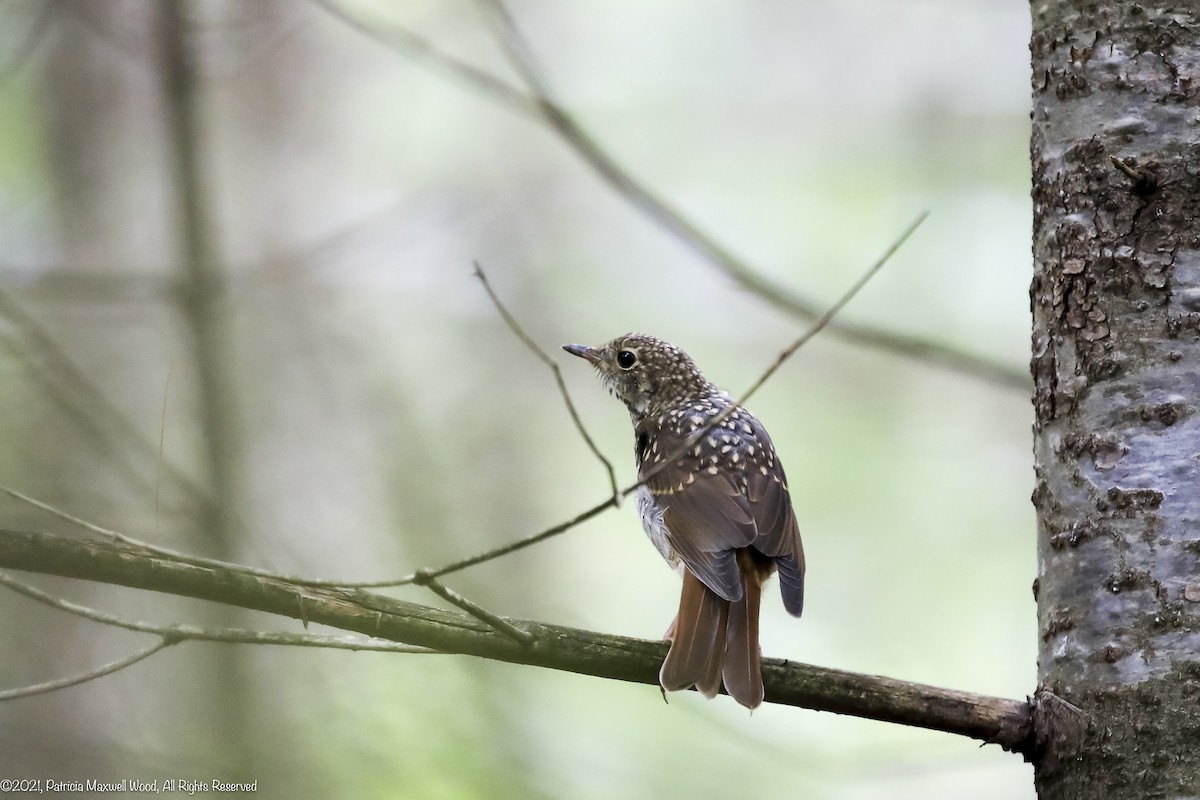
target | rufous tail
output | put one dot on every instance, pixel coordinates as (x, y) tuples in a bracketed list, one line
[(714, 640)]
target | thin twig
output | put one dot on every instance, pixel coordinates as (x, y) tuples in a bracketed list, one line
[(187, 558), (179, 632), (570, 130), (519, 544), (552, 365), (488, 555), (503, 626), (75, 680), (173, 634), (126, 539), (826, 318), (820, 324), (544, 109), (94, 528)]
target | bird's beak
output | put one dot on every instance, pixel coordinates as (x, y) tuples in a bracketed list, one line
[(591, 354)]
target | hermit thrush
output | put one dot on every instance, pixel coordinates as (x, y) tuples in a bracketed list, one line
[(719, 511)]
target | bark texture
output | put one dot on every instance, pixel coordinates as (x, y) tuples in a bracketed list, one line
[(1116, 365)]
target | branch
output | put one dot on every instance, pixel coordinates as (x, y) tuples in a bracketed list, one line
[(182, 633), (427, 576), (816, 327), (173, 634), (989, 719), (533, 347), (571, 131), (541, 107), (75, 680)]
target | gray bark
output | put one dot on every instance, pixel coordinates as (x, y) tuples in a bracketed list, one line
[(1115, 300)]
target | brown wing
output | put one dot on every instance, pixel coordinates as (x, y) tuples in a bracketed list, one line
[(709, 516), (707, 522), (778, 534)]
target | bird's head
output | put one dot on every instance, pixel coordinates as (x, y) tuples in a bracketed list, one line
[(648, 375)]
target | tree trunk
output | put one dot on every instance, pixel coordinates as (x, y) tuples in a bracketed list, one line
[(1115, 300)]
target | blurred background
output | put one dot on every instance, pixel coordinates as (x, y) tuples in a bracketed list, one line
[(236, 245)]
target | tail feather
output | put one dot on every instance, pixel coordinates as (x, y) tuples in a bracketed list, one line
[(709, 683), (699, 640), (742, 667), (714, 641)]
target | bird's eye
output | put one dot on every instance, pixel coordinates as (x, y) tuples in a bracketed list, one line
[(626, 359)]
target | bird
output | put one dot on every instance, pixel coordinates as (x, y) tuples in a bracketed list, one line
[(717, 507)]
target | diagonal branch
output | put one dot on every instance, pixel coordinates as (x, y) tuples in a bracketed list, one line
[(423, 578), (533, 347), (91, 675), (816, 327), (542, 107), (428, 576), (989, 719)]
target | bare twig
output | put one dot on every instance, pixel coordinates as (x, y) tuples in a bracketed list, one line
[(516, 328), (166, 552), (173, 634), (571, 131), (75, 680), (519, 544), (820, 324), (106, 532), (543, 108), (423, 578), (187, 558), (1008, 723), (826, 318), (488, 555), (178, 632)]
